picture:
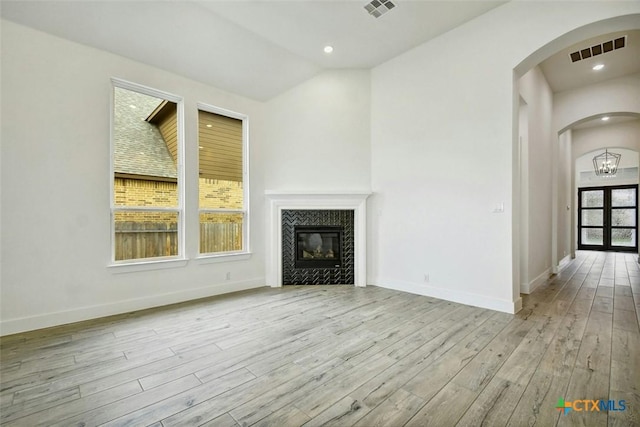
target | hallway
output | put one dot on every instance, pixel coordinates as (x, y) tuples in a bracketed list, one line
[(593, 309)]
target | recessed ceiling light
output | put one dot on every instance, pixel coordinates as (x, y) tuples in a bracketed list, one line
[(209, 126), (132, 106), (328, 49), (598, 67), (605, 118)]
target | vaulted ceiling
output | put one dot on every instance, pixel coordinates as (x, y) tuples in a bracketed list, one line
[(260, 48), (253, 48)]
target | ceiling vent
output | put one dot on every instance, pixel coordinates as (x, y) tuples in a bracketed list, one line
[(377, 8), (598, 49)]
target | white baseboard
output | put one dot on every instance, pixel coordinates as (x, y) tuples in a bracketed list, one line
[(527, 288), (475, 300), (30, 323), (517, 305), (563, 263)]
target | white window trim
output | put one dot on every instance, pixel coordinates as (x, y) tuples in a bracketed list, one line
[(147, 264), (156, 262), (246, 250)]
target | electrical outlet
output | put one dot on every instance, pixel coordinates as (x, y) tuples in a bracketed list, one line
[(426, 277), (228, 277)]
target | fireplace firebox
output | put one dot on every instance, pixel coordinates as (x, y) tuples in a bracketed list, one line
[(318, 246), (307, 261)]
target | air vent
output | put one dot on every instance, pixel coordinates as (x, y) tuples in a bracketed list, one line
[(377, 8), (598, 49)]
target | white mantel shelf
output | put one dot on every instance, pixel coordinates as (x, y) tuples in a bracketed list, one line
[(312, 194), (279, 200)]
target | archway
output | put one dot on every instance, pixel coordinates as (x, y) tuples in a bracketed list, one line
[(561, 123), (621, 136)]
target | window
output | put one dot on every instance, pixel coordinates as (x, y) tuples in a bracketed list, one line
[(146, 206), (222, 161)]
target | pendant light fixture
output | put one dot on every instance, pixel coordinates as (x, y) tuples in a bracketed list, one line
[(606, 164)]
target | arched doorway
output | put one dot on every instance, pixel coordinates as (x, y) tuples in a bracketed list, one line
[(620, 135), (545, 200)]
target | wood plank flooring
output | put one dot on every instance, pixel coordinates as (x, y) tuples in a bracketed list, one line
[(341, 356)]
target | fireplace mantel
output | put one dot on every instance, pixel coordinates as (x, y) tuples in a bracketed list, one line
[(316, 200)]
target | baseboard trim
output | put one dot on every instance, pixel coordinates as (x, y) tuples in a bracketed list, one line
[(564, 262), (517, 305), (527, 288), (30, 323), (467, 298)]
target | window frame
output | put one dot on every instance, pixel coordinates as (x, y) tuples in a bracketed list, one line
[(607, 227), (180, 184), (201, 106)]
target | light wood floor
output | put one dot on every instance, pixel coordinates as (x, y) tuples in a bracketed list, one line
[(342, 356)]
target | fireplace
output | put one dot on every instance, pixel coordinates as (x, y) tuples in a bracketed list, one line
[(318, 247), (322, 212)]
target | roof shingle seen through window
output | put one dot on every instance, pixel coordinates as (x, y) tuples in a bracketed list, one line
[(139, 148)]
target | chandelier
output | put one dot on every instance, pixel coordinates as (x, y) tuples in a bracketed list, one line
[(606, 164)]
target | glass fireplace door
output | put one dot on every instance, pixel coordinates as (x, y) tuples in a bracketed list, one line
[(318, 247)]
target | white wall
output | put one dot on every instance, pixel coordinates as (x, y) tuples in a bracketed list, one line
[(611, 96), (318, 134), (55, 187), (535, 91), (625, 134), (55, 175), (442, 152), (622, 138), (565, 197), (521, 194)]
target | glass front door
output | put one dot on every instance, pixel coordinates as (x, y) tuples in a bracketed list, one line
[(607, 218)]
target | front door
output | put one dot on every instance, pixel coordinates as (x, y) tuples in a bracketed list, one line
[(607, 218)]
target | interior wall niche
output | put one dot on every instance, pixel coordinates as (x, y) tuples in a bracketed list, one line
[(322, 275)]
